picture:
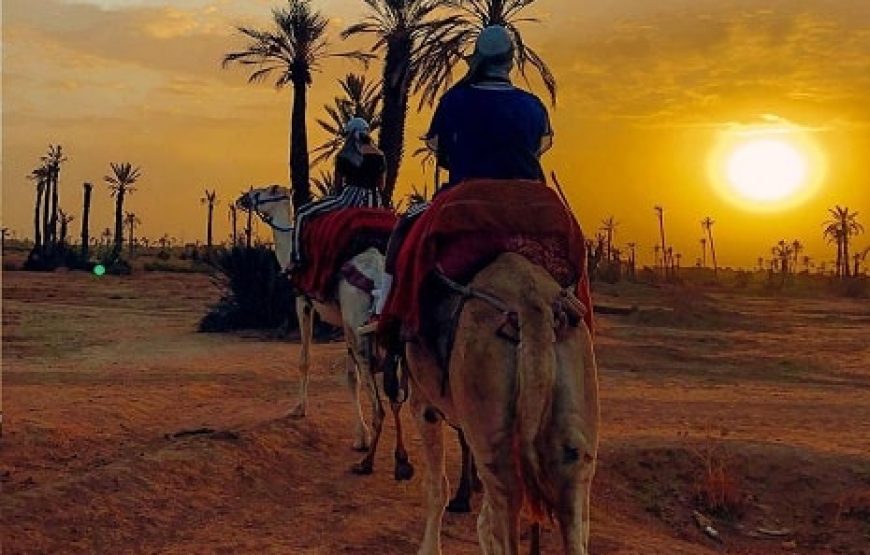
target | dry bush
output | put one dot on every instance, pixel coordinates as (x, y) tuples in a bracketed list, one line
[(717, 485)]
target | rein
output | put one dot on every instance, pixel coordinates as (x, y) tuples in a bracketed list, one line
[(267, 219)]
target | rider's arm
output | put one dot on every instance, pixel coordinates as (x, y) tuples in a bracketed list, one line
[(434, 138)]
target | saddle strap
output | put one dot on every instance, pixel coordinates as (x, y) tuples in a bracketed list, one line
[(355, 277)]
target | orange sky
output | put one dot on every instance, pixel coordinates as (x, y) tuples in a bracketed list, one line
[(645, 89)]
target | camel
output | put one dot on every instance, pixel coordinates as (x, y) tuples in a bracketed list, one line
[(349, 310), (527, 406)]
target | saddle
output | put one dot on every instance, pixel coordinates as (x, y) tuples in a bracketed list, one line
[(463, 231), (332, 239)]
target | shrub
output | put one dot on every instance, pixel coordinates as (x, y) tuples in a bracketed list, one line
[(255, 295)]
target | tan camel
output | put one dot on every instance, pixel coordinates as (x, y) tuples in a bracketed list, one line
[(528, 409), (349, 310)]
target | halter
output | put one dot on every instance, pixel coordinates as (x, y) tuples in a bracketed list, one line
[(267, 219)]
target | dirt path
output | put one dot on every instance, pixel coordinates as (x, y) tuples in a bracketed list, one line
[(97, 372)]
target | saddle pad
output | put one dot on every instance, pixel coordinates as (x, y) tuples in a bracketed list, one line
[(333, 238), (467, 227)]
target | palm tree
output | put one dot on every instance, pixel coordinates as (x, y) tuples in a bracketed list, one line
[(399, 28), (632, 259), (86, 215), (454, 37), (40, 177), (210, 199), (361, 99), (677, 258), (784, 252), (608, 226), (842, 225), (131, 221), (52, 161), (859, 257), (420, 51), (64, 219), (290, 52), (106, 237), (234, 220), (326, 184), (657, 249), (660, 211), (707, 225), (796, 248), (124, 176), (807, 261)]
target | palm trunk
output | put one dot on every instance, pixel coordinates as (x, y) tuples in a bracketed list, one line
[(86, 213), (119, 222), (846, 271), (397, 84), (299, 170), (208, 232), (664, 245), (37, 231), (63, 231), (55, 178), (46, 216), (249, 229), (130, 239), (234, 216), (713, 251)]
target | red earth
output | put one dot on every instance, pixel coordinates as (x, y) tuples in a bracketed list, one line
[(99, 373)]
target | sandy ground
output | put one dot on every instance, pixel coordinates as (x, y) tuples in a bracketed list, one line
[(99, 372)]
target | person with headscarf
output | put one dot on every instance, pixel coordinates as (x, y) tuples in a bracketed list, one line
[(484, 128), (359, 170)]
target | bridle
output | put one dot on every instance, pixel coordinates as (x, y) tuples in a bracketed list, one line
[(267, 219)]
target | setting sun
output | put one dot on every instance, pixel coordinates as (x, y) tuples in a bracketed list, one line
[(767, 170)]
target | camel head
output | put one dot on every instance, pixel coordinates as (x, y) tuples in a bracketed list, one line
[(269, 201)]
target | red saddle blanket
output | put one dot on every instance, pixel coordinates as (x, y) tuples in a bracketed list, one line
[(467, 227), (331, 239)]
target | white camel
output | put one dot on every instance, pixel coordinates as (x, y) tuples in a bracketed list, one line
[(522, 386), (349, 309)]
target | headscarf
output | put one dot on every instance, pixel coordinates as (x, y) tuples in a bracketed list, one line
[(354, 131), (493, 57)]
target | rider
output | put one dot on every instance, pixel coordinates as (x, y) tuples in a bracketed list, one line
[(359, 170), (483, 128)]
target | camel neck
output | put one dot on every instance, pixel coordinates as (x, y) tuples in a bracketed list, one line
[(283, 239)]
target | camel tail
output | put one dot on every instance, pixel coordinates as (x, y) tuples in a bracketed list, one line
[(536, 380)]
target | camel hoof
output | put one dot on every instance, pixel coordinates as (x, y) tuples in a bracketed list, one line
[(404, 471), (362, 468), (459, 506), (297, 412)]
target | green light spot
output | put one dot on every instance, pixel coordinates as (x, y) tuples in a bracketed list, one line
[(99, 270)]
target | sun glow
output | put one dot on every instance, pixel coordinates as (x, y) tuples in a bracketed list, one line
[(766, 168)]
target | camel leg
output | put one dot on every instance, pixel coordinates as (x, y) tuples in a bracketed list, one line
[(574, 524), (432, 435), (404, 469), (461, 502), (499, 520), (305, 314), (367, 464), (361, 441)]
